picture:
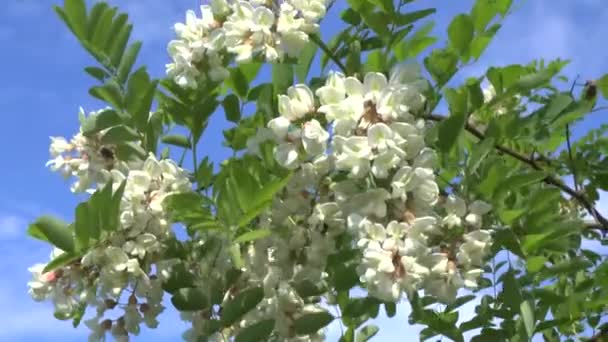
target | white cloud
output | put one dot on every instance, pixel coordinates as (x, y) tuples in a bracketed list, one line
[(11, 226)]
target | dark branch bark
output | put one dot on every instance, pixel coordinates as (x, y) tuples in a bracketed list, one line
[(601, 221)]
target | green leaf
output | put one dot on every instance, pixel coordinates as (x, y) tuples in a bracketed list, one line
[(503, 6), (480, 43), (189, 299), (253, 235), (527, 315), (353, 59), (511, 291), (461, 32), (109, 92), (442, 65), (451, 128), (568, 266), (177, 140), (118, 24), (483, 12), (377, 21), (376, 61), (386, 6), (459, 302), (411, 17), (479, 153), (81, 226), (179, 277), (127, 61), (238, 82), (119, 44), (257, 332), (533, 80), (204, 176), (535, 263), (557, 105), (101, 30), (312, 322), (391, 309), (351, 16), (521, 180), (242, 303), (602, 84), (130, 151), (139, 97), (98, 122), (53, 230), (282, 77), (345, 277), (76, 13), (97, 73), (119, 134), (94, 17), (77, 314), (367, 332), (359, 306), (231, 108), (506, 238), (60, 261), (305, 61), (307, 288)]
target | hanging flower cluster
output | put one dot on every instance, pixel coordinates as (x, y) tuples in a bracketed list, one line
[(411, 237), (269, 30), (124, 269)]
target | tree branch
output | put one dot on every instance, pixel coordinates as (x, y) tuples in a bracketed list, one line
[(549, 179)]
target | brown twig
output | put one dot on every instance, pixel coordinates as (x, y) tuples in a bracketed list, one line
[(550, 180)]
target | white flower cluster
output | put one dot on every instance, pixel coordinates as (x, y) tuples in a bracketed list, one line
[(84, 158), (121, 270), (269, 30), (389, 199)]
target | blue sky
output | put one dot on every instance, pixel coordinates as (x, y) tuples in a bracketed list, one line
[(43, 86)]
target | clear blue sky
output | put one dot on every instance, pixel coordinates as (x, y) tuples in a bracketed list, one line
[(43, 85)]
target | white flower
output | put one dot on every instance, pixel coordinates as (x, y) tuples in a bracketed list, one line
[(333, 91), (384, 162), (279, 127), (98, 330), (286, 155), (42, 284), (59, 146), (141, 244), (475, 248), (370, 203), (314, 138), (380, 136), (373, 86), (297, 103)]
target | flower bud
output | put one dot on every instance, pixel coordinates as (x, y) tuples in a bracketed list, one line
[(110, 303), (107, 324)]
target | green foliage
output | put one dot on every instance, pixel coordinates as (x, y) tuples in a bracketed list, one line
[(312, 322)]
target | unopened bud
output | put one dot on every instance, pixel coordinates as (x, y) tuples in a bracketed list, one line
[(408, 216), (132, 300), (121, 322), (107, 324), (110, 303)]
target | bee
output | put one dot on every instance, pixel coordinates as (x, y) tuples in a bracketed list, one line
[(590, 90), (107, 154)]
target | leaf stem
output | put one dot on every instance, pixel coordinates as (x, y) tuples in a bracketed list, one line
[(328, 52)]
